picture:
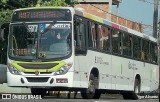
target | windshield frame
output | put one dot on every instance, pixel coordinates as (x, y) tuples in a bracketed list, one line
[(39, 33)]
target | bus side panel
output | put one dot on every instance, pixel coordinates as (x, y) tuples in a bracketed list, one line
[(76, 76), (103, 63), (142, 69), (154, 81), (93, 59), (80, 77), (146, 76), (127, 73), (122, 72)]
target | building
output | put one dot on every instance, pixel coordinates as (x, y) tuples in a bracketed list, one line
[(102, 8)]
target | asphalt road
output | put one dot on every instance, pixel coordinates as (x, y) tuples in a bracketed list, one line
[(104, 98)]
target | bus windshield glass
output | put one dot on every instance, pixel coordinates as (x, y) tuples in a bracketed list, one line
[(40, 41)]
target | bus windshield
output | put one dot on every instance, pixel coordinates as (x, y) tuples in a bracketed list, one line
[(40, 41)]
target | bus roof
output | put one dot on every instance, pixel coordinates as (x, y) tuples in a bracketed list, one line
[(47, 7)]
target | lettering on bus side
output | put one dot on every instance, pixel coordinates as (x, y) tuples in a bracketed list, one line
[(132, 66), (100, 60)]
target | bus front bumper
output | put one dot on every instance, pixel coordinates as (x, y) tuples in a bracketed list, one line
[(39, 80)]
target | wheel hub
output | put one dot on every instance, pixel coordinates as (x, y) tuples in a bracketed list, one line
[(91, 87)]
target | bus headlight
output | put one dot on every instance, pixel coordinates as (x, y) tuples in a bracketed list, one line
[(64, 69), (13, 70)]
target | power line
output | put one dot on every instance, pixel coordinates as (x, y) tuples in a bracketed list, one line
[(145, 1)]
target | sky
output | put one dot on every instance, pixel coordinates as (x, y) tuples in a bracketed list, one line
[(137, 10)]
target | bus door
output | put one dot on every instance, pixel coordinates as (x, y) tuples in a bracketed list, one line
[(81, 61)]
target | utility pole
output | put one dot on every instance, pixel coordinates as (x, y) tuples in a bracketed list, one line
[(158, 34), (155, 18), (158, 43)]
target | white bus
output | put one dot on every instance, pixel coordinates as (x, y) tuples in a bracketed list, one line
[(64, 48)]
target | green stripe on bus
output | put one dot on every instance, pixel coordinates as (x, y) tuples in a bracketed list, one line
[(97, 19), (121, 68), (54, 69), (87, 15)]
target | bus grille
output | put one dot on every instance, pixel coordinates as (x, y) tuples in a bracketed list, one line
[(40, 72), (34, 79), (38, 66)]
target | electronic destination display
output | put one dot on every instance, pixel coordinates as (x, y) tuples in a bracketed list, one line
[(41, 15)]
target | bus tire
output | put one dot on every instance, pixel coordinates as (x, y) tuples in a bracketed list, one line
[(136, 92), (91, 92), (127, 95), (38, 91)]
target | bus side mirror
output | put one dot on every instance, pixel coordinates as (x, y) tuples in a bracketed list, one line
[(4, 30), (2, 34), (75, 43)]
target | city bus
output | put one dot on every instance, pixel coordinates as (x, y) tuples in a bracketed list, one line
[(64, 48)]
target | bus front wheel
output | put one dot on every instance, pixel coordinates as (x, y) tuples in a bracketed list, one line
[(136, 89), (91, 92)]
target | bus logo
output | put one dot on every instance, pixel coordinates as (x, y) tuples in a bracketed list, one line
[(36, 72)]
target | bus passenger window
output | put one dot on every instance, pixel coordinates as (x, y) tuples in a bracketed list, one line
[(145, 50), (90, 36), (100, 37), (116, 41), (104, 38), (95, 35), (136, 47), (127, 45), (153, 52)]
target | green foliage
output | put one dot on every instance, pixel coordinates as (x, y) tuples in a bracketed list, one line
[(41, 3), (5, 16), (3, 1)]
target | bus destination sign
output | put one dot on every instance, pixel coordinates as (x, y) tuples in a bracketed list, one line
[(41, 14)]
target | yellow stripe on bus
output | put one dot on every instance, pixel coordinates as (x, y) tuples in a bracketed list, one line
[(53, 69)]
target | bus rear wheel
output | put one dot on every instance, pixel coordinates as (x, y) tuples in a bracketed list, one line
[(38, 91), (91, 92), (136, 91)]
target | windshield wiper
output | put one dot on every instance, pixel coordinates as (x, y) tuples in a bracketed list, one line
[(27, 28)]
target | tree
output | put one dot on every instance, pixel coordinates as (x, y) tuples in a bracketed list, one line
[(51, 3), (5, 16)]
